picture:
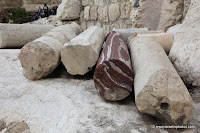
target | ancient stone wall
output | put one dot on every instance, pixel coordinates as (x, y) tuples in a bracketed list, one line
[(4, 4), (159, 14), (108, 14)]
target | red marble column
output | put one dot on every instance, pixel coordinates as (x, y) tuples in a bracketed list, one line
[(113, 76)]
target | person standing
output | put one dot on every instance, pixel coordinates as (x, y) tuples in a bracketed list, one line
[(45, 8), (39, 11)]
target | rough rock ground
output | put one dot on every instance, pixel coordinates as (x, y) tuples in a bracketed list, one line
[(62, 103)]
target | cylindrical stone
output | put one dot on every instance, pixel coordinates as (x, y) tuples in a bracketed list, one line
[(82, 53), (17, 35), (159, 91), (127, 32), (164, 39), (41, 56), (113, 76), (134, 34)]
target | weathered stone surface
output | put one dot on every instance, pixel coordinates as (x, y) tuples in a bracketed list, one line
[(185, 52), (81, 53), (17, 35), (164, 39), (127, 32), (90, 24), (2, 125), (113, 76), (106, 29), (20, 127), (40, 57), (85, 2), (69, 10), (126, 8), (158, 14), (134, 34), (114, 11), (93, 13), (87, 13), (67, 104), (103, 14), (159, 91)]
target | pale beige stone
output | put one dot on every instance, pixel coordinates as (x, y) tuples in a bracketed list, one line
[(126, 8), (40, 57), (134, 34), (159, 91), (127, 32), (93, 13), (69, 10), (106, 29), (103, 14), (166, 40), (114, 12), (185, 53), (47, 105), (87, 13), (17, 35), (90, 24), (81, 53), (158, 14), (85, 2)]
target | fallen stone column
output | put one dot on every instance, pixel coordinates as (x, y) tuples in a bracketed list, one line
[(134, 34), (81, 53), (113, 76), (164, 39), (17, 35), (127, 32), (40, 57), (159, 91)]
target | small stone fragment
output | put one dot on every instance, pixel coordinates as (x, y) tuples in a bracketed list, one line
[(2, 125), (20, 127)]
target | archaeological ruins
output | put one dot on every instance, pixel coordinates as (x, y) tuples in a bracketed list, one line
[(99, 66)]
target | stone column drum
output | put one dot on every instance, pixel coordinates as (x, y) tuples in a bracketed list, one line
[(127, 32), (113, 76), (164, 39), (82, 53), (134, 34), (40, 57), (17, 35), (159, 91)]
